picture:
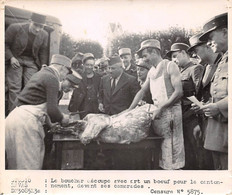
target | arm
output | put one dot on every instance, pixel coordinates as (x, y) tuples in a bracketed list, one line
[(197, 73), (223, 106), (100, 97), (175, 77), (134, 87), (43, 51), (213, 109), (101, 92), (139, 96), (52, 89), (9, 39)]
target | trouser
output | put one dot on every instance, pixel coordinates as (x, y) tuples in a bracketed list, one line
[(17, 78), (220, 160), (190, 143), (24, 140)]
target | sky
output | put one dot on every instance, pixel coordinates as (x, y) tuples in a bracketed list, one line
[(90, 19)]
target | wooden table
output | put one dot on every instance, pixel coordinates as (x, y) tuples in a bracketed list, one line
[(69, 151)]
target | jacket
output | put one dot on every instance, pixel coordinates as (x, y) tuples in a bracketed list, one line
[(16, 38), (79, 100), (122, 96), (217, 128)]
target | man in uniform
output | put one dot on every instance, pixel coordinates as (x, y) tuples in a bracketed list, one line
[(215, 32), (37, 103), (209, 60), (26, 51), (164, 82), (190, 77), (126, 57)]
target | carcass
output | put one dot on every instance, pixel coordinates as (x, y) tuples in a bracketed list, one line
[(123, 128)]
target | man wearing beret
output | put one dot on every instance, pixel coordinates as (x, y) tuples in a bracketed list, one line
[(164, 82), (215, 32), (209, 60), (126, 57), (24, 133), (85, 98), (71, 82), (191, 75), (26, 50)]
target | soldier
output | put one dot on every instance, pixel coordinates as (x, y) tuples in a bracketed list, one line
[(24, 133), (210, 60), (126, 57), (215, 32), (190, 77), (26, 52)]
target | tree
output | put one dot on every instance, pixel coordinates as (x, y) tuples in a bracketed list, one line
[(69, 47), (166, 38), (89, 46)]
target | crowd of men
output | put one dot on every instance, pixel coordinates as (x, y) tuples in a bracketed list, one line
[(193, 137)]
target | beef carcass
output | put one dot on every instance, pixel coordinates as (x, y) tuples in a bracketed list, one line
[(124, 128)]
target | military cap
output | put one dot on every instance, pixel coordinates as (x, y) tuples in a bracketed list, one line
[(142, 63), (153, 43), (194, 41), (38, 18), (114, 60), (74, 78), (61, 60), (87, 56), (177, 47), (213, 24), (124, 51), (77, 57)]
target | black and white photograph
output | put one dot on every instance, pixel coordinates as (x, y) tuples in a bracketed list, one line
[(101, 96)]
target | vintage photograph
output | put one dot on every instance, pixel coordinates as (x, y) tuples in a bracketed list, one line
[(116, 85)]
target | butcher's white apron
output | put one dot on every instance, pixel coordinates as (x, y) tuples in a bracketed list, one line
[(24, 137), (168, 125)]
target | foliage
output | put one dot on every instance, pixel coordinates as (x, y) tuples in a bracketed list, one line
[(133, 40), (69, 47)]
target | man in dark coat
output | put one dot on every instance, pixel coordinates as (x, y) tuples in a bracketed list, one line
[(85, 98), (191, 75), (216, 140), (25, 53), (117, 89), (126, 57)]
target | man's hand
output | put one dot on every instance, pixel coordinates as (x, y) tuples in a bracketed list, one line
[(196, 108), (101, 107), (156, 114), (210, 110), (65, 120), (197, 133), (14, 63)]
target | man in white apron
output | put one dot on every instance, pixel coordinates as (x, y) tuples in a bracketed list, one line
[(164, 81), (24, 133)]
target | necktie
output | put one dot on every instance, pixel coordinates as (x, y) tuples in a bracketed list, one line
[(113, 86)]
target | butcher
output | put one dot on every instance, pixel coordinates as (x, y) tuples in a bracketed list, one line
[(24, 133), (164, 81)]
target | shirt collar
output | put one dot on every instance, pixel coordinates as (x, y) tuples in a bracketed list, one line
[(128, 67)]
